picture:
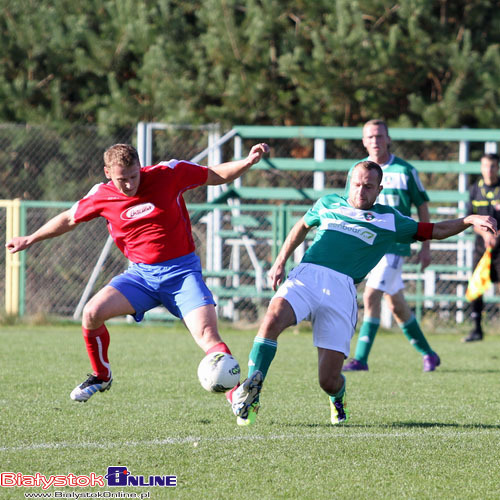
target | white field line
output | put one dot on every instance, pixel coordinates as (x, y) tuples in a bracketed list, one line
[(196, 440)]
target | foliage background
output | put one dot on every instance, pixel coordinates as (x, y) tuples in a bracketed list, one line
[(425, 63)]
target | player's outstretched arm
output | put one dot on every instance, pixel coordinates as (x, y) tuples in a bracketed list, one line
[(227, 172), (295, 237), (56, 226), (447, 228), (424, 255)]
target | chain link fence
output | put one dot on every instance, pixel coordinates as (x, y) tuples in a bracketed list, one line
[(38, 164), (48, 166)]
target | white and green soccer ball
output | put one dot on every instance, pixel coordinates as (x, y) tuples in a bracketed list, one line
[(218, 372)]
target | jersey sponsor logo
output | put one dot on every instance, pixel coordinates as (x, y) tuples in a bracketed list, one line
[(363, 233), (137, 212), (395, 180), (388, 199), (384, 220)]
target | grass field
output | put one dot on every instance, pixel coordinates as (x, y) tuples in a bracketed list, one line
[(411, 435)]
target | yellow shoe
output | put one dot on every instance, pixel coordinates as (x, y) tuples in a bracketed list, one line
[(339, 411), (251, 417)]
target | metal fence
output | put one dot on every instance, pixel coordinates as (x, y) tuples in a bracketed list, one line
[(238, 237)]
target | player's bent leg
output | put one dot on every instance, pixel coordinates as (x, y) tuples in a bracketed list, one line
[(333, 383), (107, 303), (202, 324), (279, 316)]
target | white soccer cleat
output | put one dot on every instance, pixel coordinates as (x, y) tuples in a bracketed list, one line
[(246, 394), (87, 389)]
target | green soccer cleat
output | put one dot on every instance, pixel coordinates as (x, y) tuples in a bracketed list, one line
[(340, 414), (251, 417)]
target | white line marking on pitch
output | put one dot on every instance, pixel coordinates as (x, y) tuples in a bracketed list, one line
[(199, 440)]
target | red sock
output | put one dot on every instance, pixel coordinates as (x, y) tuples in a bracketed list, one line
[(229, 394), (220, 347), (97, 342)]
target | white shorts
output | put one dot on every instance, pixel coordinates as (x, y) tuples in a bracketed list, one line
[(386, 275), (326, 298)]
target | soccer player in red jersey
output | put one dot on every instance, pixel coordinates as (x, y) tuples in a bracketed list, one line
[(148, 220)]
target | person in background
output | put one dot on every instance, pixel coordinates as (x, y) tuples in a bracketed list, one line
[(484, 199), (401, 189)]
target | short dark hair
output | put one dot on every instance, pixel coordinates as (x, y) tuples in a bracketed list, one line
[(371, 165), (124, 155), (491, 157)]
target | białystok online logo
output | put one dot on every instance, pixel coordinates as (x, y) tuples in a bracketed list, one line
[(120, 476), (116, 476)]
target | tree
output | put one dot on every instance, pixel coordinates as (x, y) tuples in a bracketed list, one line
[(116, 62)]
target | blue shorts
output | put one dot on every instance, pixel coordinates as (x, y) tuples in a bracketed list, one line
[(176, 283)]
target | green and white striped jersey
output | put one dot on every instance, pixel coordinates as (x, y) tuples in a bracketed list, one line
[(352, 241), (402, 188)]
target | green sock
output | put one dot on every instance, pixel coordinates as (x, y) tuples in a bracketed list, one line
[(366, 336), (339, 395), (414, 334), (261, 355)]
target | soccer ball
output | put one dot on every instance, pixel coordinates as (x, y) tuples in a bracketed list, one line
[(218, 372)]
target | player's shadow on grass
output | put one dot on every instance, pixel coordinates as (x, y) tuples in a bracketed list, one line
[(394, 425), (422, 425), (469, 370)]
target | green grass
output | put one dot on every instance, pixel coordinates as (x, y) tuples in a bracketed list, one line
[(411, 435)]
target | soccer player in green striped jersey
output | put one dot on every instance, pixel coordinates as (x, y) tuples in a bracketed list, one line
[(401, 189), (352, 235)]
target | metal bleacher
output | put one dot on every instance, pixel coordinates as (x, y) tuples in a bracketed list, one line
[(287, 203)]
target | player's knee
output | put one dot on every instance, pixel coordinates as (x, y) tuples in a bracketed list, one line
[(398, 312), (91, 317), (279, 315), (372, 298), (399, 308), (271, 326), (331, 384)]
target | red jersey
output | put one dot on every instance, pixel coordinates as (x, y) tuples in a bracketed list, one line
[(152, 226)]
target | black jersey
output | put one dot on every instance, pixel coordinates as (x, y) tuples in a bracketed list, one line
[(485, 200)]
